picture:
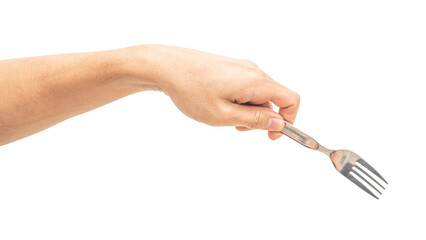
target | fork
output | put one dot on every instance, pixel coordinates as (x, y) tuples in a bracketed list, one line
[(348, 163)]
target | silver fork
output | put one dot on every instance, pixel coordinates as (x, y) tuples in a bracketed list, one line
[(345, 161)]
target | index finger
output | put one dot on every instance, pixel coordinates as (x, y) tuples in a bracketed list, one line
[(288, 101)]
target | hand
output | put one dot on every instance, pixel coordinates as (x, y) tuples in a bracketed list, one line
[(219, 91)]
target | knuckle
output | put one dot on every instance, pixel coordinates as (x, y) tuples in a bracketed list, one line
[(249, 63), (261, 73), (262, 76), (210, 116), (296, 98), (226, 114), (258, 77)]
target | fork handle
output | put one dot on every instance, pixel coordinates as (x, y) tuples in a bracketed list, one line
[(299, 136)]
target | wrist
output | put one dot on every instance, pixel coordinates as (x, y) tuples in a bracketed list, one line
[(132, 67)]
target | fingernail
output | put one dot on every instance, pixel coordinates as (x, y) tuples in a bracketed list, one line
[(275, 124)]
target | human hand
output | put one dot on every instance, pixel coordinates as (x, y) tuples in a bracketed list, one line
[(217, 90)]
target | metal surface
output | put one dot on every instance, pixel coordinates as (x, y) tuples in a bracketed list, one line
[(348, 163)]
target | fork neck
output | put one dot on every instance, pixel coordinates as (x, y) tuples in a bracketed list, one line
[(324, 150)]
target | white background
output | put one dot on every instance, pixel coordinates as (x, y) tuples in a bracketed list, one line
[(139, 169)]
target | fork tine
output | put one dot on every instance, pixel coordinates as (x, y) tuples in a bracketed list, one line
[(368, 175), (354, 180), (365, 180), (366, 165)]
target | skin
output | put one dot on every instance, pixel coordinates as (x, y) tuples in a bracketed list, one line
[(39, 92)]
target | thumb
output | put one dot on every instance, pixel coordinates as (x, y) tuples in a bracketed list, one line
[(257, 117)]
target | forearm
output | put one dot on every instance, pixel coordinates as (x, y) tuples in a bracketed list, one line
[(39, 92)]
